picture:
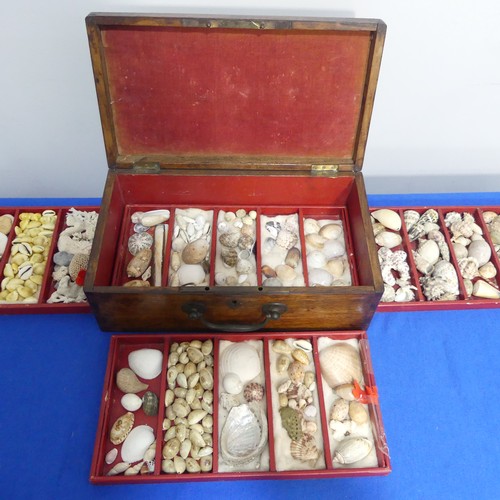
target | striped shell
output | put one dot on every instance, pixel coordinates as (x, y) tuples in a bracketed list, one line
[(304, 449)]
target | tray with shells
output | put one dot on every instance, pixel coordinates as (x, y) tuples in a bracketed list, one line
[(225, 406), (450, 256), (233, 246), (43, 258)]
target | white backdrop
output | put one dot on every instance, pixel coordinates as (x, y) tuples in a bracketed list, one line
[(435, 126)]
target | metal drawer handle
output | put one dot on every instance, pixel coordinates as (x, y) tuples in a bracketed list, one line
[(196, 310)]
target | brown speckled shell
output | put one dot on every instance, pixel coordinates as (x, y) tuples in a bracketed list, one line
[(296, 372), (121, 428)]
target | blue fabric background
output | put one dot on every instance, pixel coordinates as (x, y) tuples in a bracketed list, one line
[(437, 374)]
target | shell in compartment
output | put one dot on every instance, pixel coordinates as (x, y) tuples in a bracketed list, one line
[(346, 418), (243, 436), (188, 418), (281, 262), (326, 255), (235, 262), (146, 248), (23, 273), (131, 444), (298, 442), (191, 244)]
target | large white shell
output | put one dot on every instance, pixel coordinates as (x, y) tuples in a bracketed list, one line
[(389, 218), (340, 364), (242, 359), (315, 259), (137, 443), (131, 402), (154, 217), (429, 251), (146, 362), (481, 251), (243, 436), (320, 277), (191, 274), (388, 239), (351, 450)]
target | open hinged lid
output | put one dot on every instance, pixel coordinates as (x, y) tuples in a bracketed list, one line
[(235, 93)]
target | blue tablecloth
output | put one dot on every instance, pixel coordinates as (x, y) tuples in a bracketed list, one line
[(437, 375)]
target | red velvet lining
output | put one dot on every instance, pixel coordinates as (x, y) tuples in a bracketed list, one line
[(236, 92)]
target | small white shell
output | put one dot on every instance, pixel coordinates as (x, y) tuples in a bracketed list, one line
[(302, 344), (111, 456), (232, 383), (131, 402), (388, 239)]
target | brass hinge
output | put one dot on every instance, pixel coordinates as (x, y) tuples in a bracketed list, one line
[(146, 167), (324, 170)]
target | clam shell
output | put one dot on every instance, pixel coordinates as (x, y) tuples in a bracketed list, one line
[(315, 240), (304, 449), (333, 249), (292, 258), (121, 428), (315, 259), (320, 277), (389, 218), (488, 271), (136, 443), (240, 358), (340, 364), (193, 274), (146, 362), (351, 450), (311, 226), (244, 435), (285, 273), (127, 381), (335, 267)]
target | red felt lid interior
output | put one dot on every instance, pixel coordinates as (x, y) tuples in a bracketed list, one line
[(176, 91)]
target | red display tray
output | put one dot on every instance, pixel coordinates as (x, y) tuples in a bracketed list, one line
[(269, 467), (465, 299), (40, 304)]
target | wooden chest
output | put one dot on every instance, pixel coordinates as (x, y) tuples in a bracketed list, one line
[(261, 119)]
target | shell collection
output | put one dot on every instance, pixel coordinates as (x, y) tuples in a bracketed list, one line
[(235, 262), (133, 444), (326, 256), (191, 243), (188, 422), (23, 273), (298, 441), (398, 286), (281, 256), (72, 256), (474, 253), (242, 407), (146, 246), (431, 254), (350, 431)]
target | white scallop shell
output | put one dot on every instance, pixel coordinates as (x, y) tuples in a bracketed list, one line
[(244, 435), (242, 359), (389, 218), (340, 364), (146, 362), (131, 402), (136, 444)]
